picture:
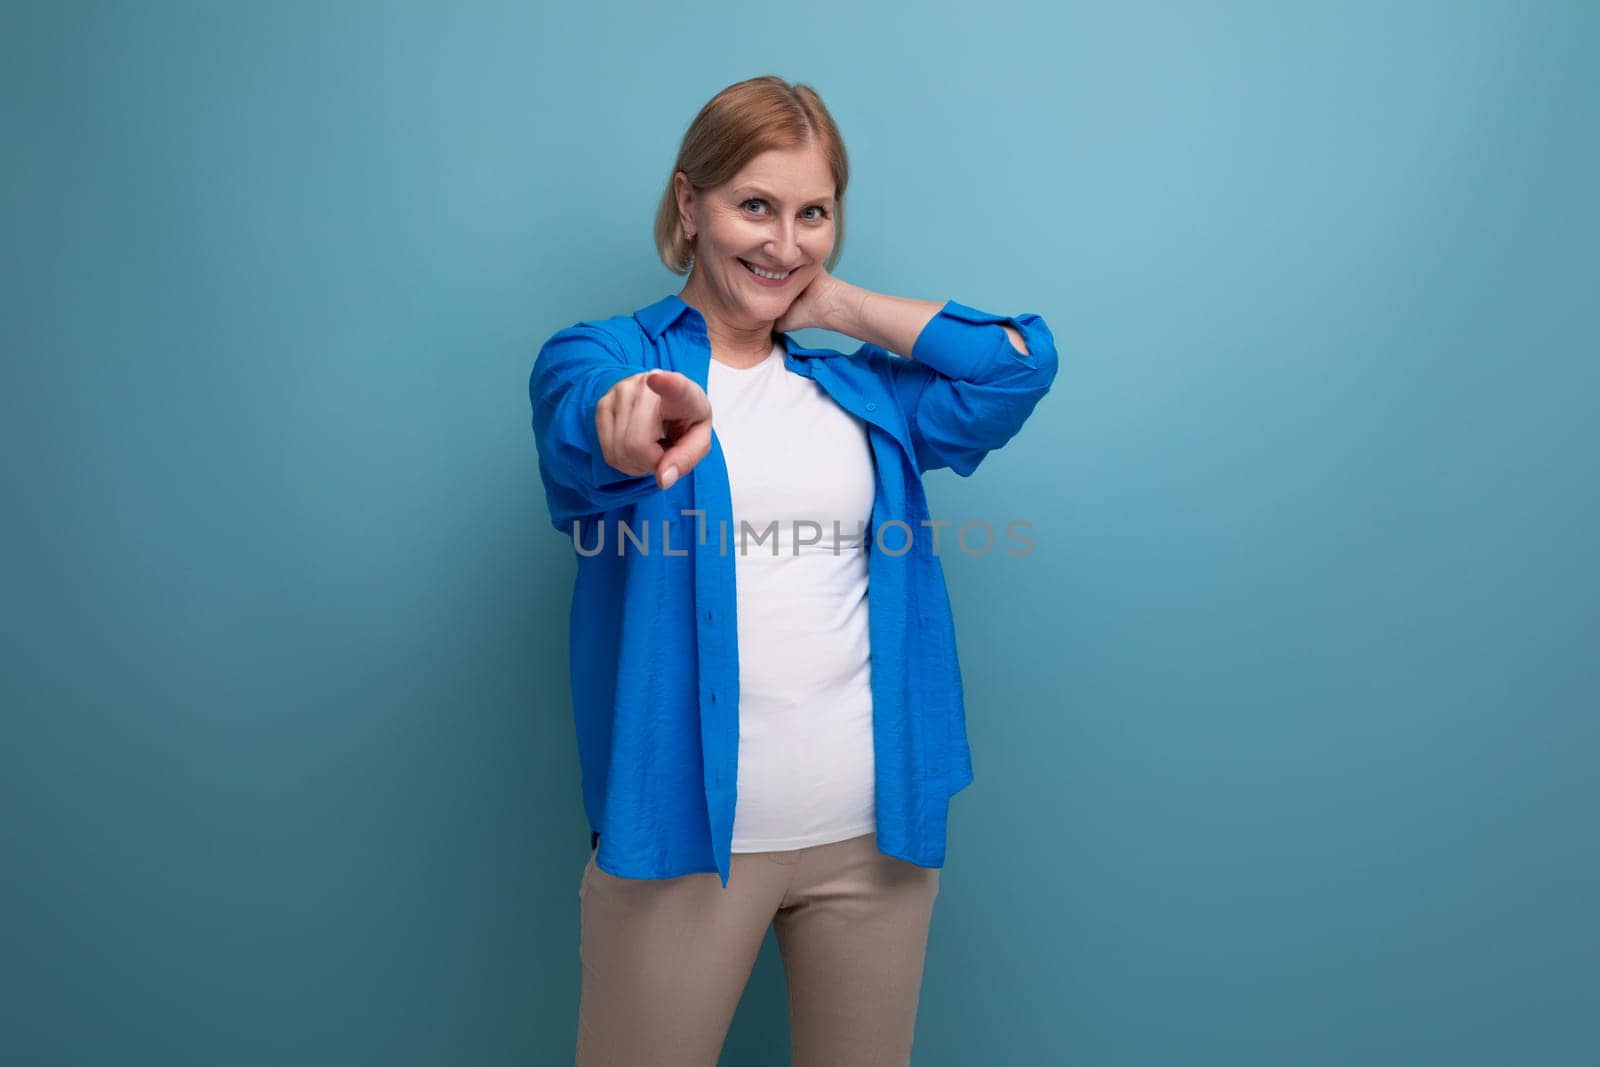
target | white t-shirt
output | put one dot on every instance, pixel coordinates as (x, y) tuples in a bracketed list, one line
[(795, 457)]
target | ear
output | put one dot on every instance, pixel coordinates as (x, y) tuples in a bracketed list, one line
[(685, 195)]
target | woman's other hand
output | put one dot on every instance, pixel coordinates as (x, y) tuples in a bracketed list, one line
[(821, 304), (658, 421)]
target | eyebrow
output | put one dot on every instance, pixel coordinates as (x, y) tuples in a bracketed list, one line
[(769, 196)]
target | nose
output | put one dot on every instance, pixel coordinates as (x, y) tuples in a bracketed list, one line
[(785, 247)]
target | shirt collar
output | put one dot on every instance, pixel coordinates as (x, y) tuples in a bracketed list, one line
[(670, 309)]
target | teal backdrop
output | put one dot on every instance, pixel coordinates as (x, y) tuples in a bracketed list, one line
[(1285, 734)]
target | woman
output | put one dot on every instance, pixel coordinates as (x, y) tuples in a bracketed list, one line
[(732, 496)]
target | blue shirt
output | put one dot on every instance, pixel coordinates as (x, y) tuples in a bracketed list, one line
[(653, 636)]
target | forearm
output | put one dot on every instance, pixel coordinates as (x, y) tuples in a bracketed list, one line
[(893, 323), (890, 322)]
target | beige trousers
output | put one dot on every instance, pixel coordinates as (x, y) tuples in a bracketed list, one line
[(665, 960)]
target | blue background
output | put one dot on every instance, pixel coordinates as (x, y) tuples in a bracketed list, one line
[(1285, 735)]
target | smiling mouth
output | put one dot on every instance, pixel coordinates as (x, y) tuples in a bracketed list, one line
[(761, 272)]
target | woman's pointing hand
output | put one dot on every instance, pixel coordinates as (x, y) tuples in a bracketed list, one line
[(658, 421)]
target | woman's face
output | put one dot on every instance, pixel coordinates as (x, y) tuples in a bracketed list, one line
[(775, 214)]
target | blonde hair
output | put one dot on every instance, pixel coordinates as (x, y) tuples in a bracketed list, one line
[(739, 123)]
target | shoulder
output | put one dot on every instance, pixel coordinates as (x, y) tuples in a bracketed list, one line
[(619, 336), (883, 368), (865, 361), (870, 374)]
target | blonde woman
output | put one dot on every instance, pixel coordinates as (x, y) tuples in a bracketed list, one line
[(762, 742)]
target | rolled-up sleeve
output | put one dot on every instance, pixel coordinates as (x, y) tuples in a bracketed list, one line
[(966, 390), (575, 369)]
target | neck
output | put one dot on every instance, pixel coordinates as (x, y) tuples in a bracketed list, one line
[(736, 342)]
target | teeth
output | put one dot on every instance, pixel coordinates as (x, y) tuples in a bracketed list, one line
[(765, 274)]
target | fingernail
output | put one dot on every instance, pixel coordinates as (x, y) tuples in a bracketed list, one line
[(670, 477)]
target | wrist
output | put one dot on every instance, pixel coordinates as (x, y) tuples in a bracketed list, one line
[(844, 309)]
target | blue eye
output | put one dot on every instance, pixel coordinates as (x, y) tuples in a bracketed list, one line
[(822, 212)]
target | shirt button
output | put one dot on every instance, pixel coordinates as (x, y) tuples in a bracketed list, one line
[(708, 616), (713, 698), (872, 406)]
